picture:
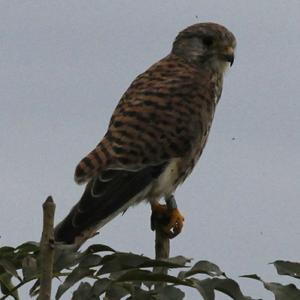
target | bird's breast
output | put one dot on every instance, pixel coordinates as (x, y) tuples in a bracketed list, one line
[(166, 183)]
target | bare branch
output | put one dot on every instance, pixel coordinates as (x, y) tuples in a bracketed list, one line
[(162, 248), (47, 250)]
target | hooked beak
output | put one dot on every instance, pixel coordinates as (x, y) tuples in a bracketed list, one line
[(229, 55)]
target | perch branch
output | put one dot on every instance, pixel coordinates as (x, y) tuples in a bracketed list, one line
[(162, 242), (47, 250), (162, 248), (162, 251)]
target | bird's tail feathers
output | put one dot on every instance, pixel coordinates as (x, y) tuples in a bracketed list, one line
[(105, 196), (92, 164)]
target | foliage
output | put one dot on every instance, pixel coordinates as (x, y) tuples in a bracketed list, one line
[(100, 272)]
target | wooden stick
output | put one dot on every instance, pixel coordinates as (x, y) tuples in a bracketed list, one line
[(162, 243), (162, 248), (47, 250)]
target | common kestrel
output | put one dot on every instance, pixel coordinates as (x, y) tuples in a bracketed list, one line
[(155, 136)]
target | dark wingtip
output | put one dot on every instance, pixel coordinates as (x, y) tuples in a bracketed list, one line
[(80, 175)]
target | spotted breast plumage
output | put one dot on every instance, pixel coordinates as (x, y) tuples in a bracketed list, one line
[(155, 136)]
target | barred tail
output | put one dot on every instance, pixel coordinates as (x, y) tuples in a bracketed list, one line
[(92, 164)]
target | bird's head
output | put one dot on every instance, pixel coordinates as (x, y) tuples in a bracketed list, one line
[(208, 45)]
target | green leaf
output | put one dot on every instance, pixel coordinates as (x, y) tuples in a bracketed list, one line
[(99, 248), (90, 260), (252, 276), (29, 267), (116, 292), (205, 288), (121, 261), (34, 290), (101, 286), (227, 286), (171, 263), (65, 256), (9, 267), (7, 286), (6, 251), (76, 275), (230, 288), (169, 293), (178, 260), (84, 291), (142, 295), (143, 275), (283, 292), (202, 267), (29, 247), (287, 268)]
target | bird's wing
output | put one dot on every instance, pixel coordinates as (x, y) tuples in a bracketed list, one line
[(156, 120), (104, 197)]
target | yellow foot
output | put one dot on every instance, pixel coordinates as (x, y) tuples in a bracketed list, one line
[(169, 220)]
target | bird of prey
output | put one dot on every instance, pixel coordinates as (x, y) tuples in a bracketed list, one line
[(155, 136)]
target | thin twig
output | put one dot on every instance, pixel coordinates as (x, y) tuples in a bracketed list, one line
[(47, 250)]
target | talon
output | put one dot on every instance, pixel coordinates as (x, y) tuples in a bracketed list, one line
[(169, 220)]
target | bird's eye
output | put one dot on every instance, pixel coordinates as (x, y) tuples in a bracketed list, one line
[(208, 40)]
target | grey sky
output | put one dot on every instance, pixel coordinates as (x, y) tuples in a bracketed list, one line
[(65, 64)]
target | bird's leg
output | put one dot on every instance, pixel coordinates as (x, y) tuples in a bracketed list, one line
[(167, 217), (176, 218)]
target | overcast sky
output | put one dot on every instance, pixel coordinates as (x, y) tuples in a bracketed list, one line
[(65, 64)]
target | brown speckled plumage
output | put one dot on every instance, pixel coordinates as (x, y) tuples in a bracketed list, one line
[(158, 130)]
